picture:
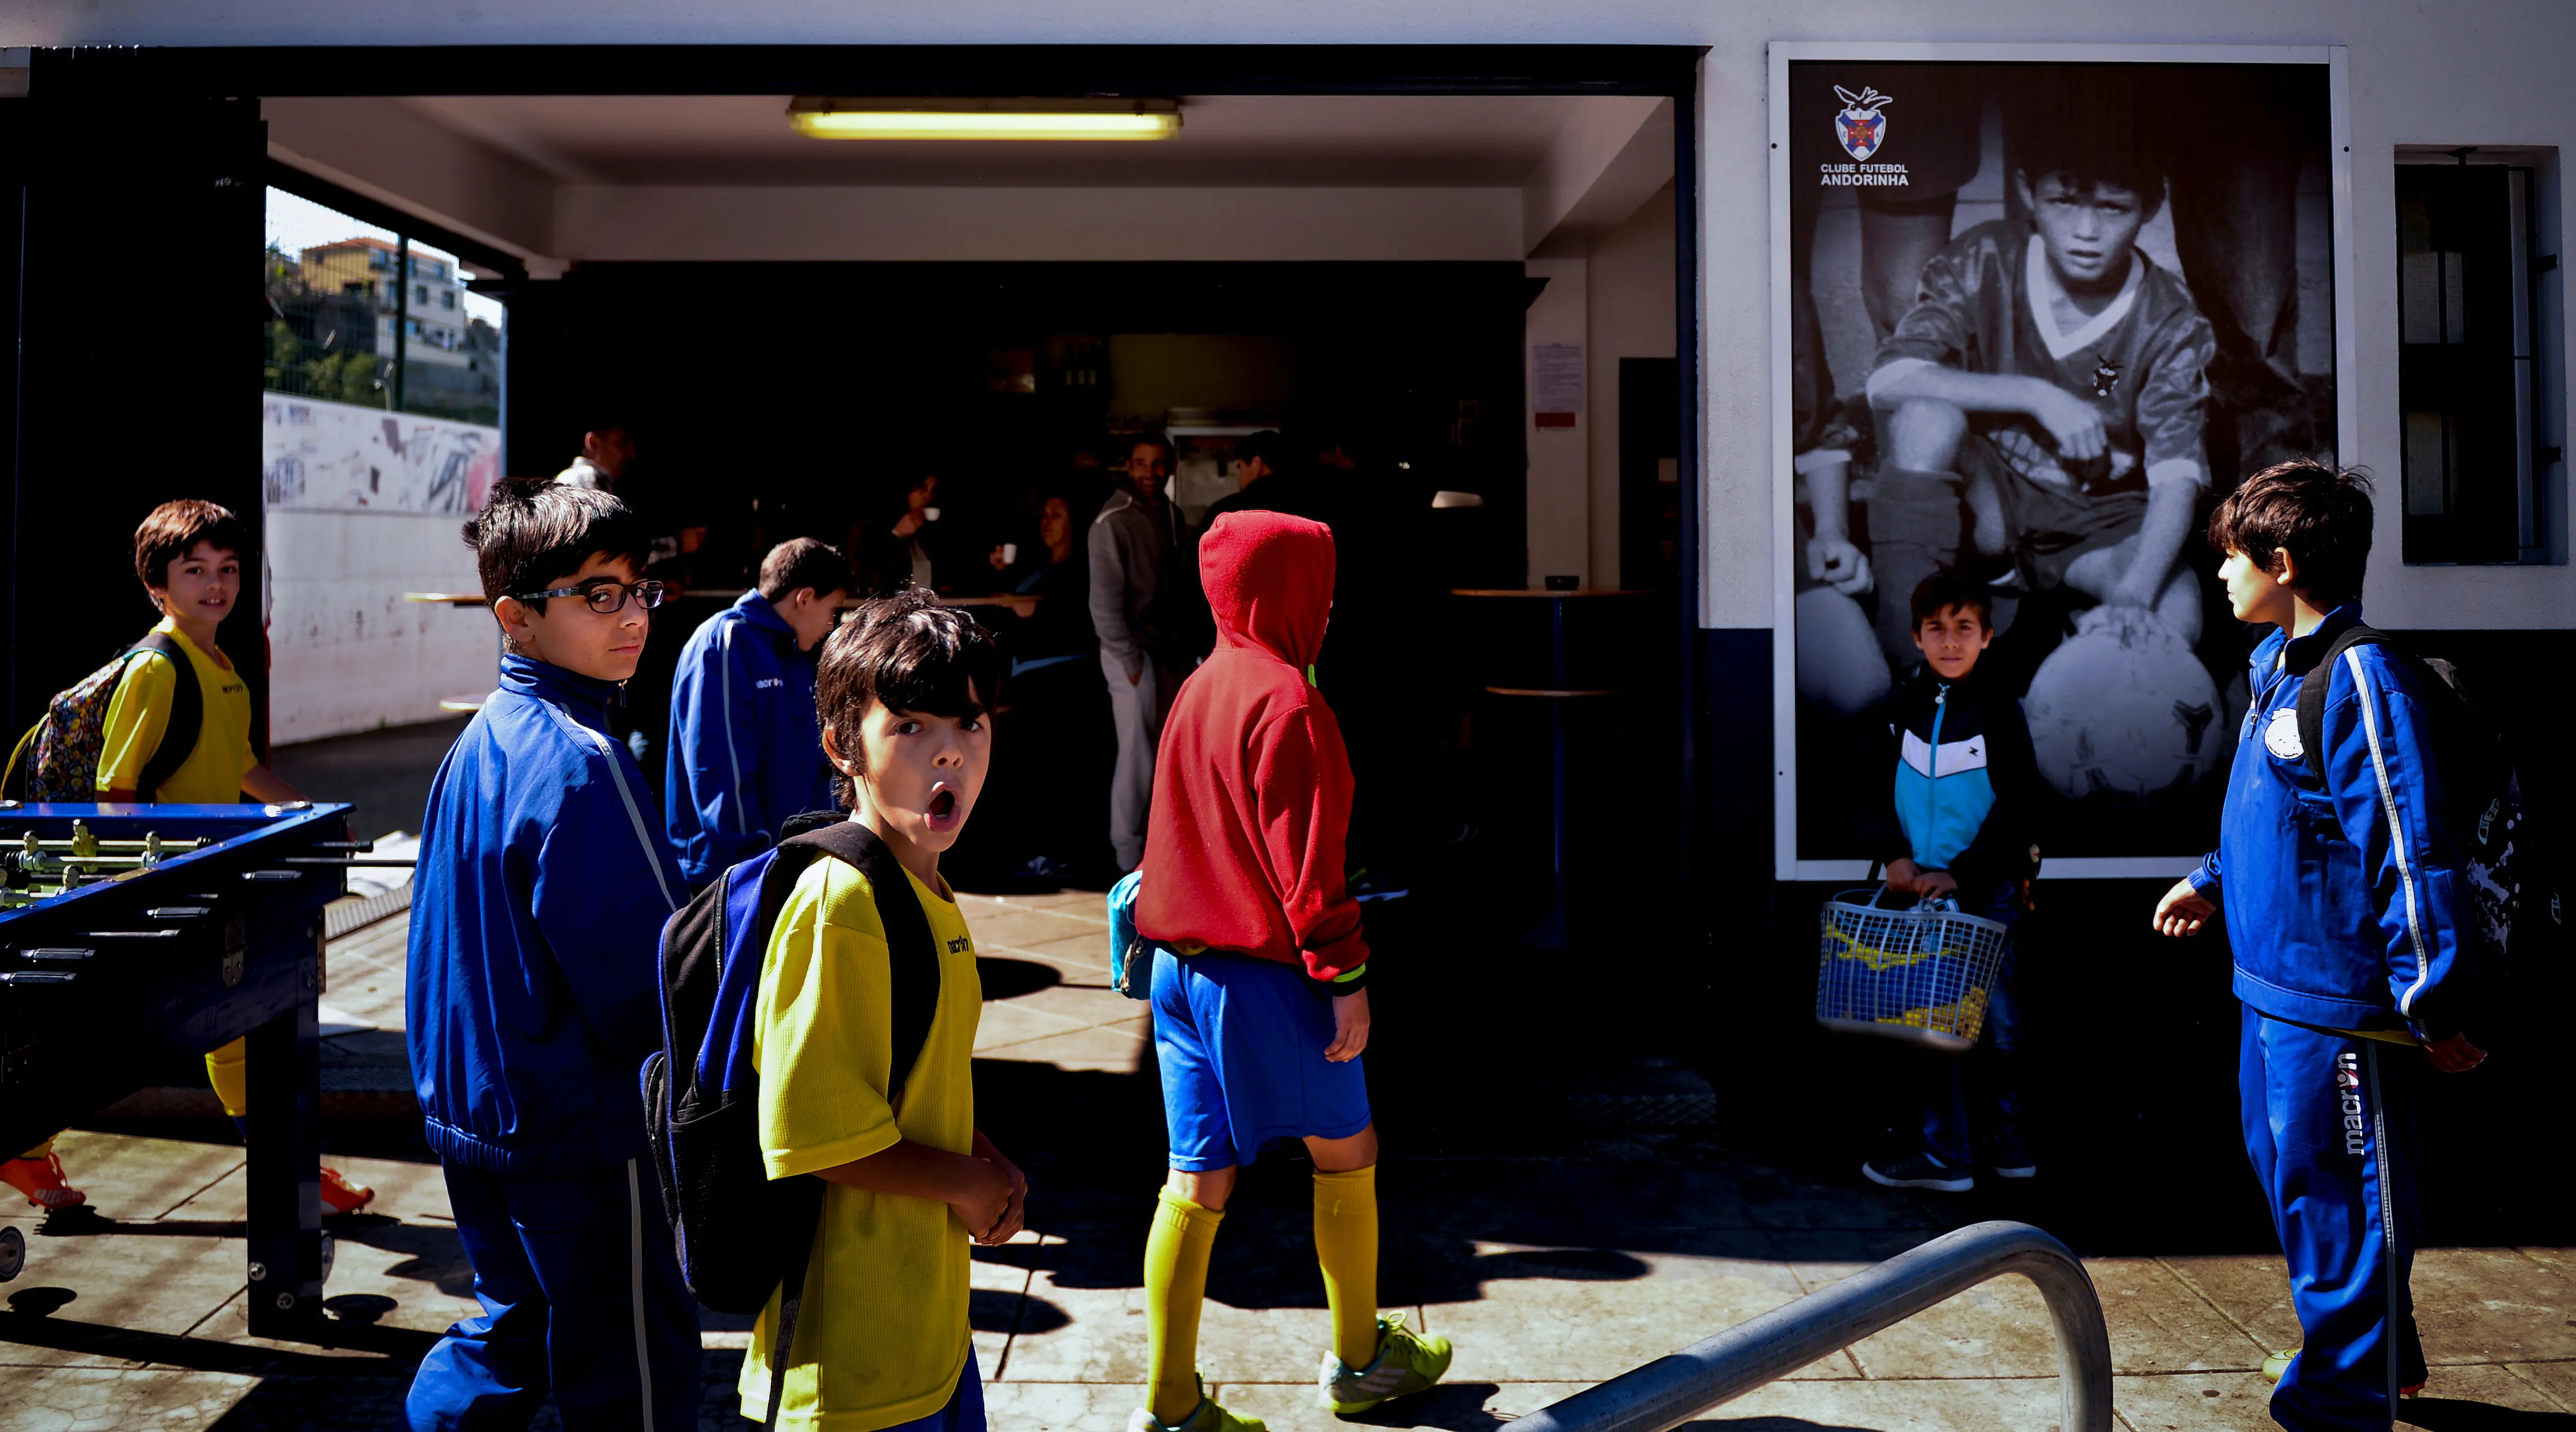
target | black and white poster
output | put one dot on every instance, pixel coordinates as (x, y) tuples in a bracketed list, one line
[(2038, 310)]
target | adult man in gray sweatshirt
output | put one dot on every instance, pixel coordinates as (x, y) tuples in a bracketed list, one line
[(1132, 543)]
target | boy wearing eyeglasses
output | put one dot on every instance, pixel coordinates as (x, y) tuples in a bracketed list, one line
[(535, 993)]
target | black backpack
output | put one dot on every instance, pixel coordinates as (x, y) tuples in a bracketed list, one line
[(2508, 882), (740, 1234)]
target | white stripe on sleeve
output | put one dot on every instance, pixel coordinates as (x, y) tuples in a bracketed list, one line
[(2396, 830), (733, 758)]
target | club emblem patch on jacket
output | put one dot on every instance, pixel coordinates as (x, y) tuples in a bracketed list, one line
[(2281, 734)]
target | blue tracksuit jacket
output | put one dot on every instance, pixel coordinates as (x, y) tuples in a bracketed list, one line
[(745, 752), (2343, 901), (535, 986)]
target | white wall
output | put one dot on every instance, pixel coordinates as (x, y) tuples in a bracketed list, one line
[(477, 191), (363, 507), (346, 652), (1631, 284), (903, 224), (2473, 72), (1560, 516), (2461, 72)]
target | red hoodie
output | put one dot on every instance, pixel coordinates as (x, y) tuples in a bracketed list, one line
[(1252, 788)]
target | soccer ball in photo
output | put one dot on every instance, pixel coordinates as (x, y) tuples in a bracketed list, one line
[(2124, 717), (1839, 665)]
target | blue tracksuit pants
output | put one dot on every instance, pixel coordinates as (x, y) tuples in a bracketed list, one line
[(1946, 1127), (2330, 1126), (582, 1297)]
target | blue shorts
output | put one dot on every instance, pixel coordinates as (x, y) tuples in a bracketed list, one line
[(1241, 1043), (965, 1409)]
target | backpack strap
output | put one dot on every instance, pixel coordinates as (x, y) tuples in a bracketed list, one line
[(2312, 693), (187, 716), (912, 963), (912, 957), (791, 1300)]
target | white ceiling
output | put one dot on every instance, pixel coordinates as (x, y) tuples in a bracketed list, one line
[(1415, 141)]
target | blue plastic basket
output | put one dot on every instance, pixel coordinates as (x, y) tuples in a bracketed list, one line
[(1131, 956), (1922, 975)]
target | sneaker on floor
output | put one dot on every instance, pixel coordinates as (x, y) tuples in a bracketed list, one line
[(1407, 1362), (1206, 1417), (341, 1196), (42, 1181), (2278, 1365), (2011, 1157), (1919, 1171)]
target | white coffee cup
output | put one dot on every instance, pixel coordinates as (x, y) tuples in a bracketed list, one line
[(1010, 553), (930, 514)]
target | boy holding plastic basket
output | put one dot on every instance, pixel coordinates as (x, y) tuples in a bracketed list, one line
[(1957, 825)]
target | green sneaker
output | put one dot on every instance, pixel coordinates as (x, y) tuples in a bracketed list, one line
[(1407, 1362), (1206, 1417)]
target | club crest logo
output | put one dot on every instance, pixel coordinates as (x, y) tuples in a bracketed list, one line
[(2281, 735), (1861, 127)]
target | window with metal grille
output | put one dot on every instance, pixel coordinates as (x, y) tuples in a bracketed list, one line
[(2480, 450)]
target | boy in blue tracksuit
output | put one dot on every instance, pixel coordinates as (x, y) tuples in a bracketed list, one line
[(2343, 902), (1958, 823), (745, 753), (535, 993)]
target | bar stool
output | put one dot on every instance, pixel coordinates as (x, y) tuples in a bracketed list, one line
[(1555, 932)]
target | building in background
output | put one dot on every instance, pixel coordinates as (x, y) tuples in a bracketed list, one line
[(335, 308)]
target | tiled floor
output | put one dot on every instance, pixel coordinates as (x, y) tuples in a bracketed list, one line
[(1549, 1273)]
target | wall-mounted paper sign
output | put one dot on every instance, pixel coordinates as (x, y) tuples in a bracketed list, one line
[(1556, 383)]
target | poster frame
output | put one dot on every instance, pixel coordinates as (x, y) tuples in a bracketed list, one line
[(1784, 686)]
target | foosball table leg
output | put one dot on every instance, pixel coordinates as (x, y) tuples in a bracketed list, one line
[(285, 1155)]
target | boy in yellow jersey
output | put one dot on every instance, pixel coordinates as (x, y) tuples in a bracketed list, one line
[(188, 556), (902, 693)]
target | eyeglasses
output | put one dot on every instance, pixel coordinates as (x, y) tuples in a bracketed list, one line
[(606, 597)]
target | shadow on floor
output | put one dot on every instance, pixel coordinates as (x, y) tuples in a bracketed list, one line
[(2443, 1414), (384, 774)]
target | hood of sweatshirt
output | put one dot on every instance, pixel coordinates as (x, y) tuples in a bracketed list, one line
[(1269, 583)]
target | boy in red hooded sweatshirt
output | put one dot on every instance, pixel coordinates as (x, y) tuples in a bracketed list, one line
[(1260, 997)]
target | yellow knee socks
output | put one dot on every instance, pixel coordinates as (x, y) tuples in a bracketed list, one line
[(1176, 1265), (227, 1071), (1346, 1247)]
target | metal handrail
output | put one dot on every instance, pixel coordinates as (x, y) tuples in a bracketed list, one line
[(1672, 1390)]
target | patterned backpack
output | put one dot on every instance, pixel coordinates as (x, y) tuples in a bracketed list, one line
[(72, 737)]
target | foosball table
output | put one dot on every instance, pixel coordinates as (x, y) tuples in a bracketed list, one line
[(129, 933)]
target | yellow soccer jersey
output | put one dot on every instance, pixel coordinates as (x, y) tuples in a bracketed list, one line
[(140, 710), (882, 1337)]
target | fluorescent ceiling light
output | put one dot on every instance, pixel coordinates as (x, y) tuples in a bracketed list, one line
[(986, 118)]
